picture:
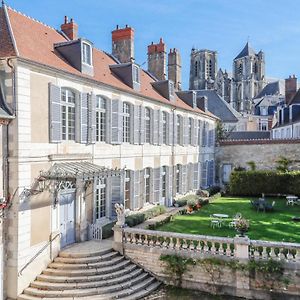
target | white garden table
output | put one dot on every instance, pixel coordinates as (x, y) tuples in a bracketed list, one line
[(291, 200)]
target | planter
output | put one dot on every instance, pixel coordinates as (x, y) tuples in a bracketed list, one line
[(242, 232)]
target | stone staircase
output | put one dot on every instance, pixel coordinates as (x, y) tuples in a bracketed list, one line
[(97, 275)]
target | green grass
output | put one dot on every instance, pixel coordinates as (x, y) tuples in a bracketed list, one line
[(270, 226)]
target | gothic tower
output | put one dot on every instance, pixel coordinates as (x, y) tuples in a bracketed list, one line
[(203, 69), (223, 85), (248, 78)]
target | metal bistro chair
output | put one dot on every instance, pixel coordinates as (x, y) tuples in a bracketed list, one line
[(236, 217), (214, 222)]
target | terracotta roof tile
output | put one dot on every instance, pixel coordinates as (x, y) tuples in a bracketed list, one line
[(6, 48), (35, 42)]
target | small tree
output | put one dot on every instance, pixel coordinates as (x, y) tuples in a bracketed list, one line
[(283, 164), (221, 133), (252, 165)]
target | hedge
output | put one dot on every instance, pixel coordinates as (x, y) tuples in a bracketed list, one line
[(254, 183)]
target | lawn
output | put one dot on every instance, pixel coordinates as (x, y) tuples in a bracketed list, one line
[(271, 226)]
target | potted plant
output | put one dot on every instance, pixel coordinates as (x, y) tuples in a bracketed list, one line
[(242, 226)]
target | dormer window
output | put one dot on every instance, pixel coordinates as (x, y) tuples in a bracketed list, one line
[(172, 90), (86, 54), (136, 74)]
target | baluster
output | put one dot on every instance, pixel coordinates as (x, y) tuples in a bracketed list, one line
[(221, 249), (178, 244), (213, 249), (205, 247)]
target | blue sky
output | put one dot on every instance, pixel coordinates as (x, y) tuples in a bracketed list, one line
[(222, 25)]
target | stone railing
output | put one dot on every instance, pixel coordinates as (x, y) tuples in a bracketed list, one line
[(200, 245)]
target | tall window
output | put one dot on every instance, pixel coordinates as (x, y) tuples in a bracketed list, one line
[(100, 119), (136, 74), (190, 130), (68, 114), (100, 203), (164, 181), (164, 127), (196, 68), (240, 70), (147, 125), (86, 53), (127, 189), (147, 184), (177, 178), (126, 122), (178, 125)]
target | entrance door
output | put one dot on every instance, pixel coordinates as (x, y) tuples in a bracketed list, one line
[(67, 218), (226, 172)]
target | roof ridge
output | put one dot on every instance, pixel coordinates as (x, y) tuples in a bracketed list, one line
[(31, 18)]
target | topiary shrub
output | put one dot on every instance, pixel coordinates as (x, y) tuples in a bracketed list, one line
[(214, 190), (107, 231), (181, 202)]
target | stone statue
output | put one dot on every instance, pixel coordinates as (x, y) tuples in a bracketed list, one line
[(120, 214)]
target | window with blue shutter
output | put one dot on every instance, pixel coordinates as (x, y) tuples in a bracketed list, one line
[(136, 188), (210, 175), (155, 126), (82, 118), (116, 122), (204, 166), (156, 185), (178, 173), (184, 179), (135, 124), (55, 131), (142, 124), (204, 135), (190, 176), (70, 115), (170, 129), (159, 126), (196, 176)]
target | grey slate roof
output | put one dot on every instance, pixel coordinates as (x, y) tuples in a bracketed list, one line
[(296, 98), (272, 88), (246, 51), (218, 106), (249, 135)]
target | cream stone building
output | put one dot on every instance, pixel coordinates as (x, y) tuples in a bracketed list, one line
[(91, 129)]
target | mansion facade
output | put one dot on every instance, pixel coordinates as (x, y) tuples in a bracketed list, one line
[(87, 130)]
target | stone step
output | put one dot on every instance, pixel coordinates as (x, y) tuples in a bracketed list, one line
[(143, 293), (86, 284), (85, 260), (87, 272), (136, 284), (94, 265), (64, 279), (66, 253)]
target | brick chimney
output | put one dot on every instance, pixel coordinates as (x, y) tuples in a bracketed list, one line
[(157, 59), (174, 68), (123, 44), (70, 29), (290, 88)]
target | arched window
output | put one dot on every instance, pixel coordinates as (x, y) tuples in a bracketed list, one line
[(196, 68), (68, 114), (164, 181), (164, 127), (254, 68), (147, 182), (126, 122), (100, 119), (147, 125), (178, 178), (190, 130), (100, 201), (178, 127)]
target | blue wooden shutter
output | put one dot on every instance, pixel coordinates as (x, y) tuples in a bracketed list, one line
[(136, 189), (108, 115), (142, 125), (196, 176), (142, 188), (92, 119), (54, 113), (184, 179), (117, 193), (135, 124), (170, 129), (190, 176), (82, 118), (181, 142), (116, 122), (204, 134), (180, 180), (156, 185), (210, 173), (204, 174), (194, 132), (155, 127), (169, 185), (159, 126), (175, 129)]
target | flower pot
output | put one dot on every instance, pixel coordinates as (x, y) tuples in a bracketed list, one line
[(241, 232)]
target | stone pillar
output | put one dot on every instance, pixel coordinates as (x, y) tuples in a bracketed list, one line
[(118, 239)]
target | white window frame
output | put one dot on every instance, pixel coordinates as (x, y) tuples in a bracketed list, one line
[(126, 122), (147, 125), (100, 208), (68, 114), (136, 74), (86, 55), (101, 119)]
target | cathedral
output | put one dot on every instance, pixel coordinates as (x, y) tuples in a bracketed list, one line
[(246, 82)]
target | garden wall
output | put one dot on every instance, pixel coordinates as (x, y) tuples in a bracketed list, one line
[(138, 246)]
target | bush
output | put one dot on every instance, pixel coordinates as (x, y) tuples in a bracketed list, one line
[(192, 203), (135, 219), (203, 202), (214, 190), (254, 183), (155, 211), (181, 202), (107, 231)]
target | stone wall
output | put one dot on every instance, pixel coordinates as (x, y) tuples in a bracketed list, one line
[(263, 152)]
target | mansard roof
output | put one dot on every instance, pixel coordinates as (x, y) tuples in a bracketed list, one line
[(34, 42), (219, 107), (247, 51)]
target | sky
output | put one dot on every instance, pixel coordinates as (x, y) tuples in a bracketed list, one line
[(222, 25)]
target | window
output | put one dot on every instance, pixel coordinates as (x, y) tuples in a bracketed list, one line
[(136, 74), (178, 125), (240, 70), (196, 68), (263, 110), (100, 203), (86, 53), (147, 184), (190, 130), (178, 178), (127, 189), (126, 122), (171, 87), (164, 127), (164, 182), (100, 119), (68, 114), (147, 125)]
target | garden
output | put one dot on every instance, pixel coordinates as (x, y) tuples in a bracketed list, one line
[(276, 225)]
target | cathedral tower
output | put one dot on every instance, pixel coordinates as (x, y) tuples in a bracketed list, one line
[(203, 69), (248, 78)]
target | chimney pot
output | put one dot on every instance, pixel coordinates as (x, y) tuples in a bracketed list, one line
[(117, 27), (126, 26), (66, 19)]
